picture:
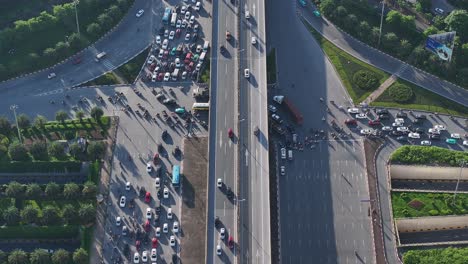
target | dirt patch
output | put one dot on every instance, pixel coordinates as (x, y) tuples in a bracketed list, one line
[(416, 204), (370, 148), (194, 199)]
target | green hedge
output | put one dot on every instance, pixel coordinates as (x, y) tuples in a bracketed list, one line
[(40, 166), (430, 256), (415, 204), (401, 93), (39, 232), (428, 156), (366, 80)]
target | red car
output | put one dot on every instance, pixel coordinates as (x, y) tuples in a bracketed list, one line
[(156, 158), (147, 226), (166, 54), (350, 122), (230, 133), (147, 197), (177, 33), (137, 244), (154, 242), (375, 122), (231, 242), (76, 60), (152, 67), (160, 76)]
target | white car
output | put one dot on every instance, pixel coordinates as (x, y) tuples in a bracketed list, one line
[(192, 19), (51, 75), (425, 143), (149, 168), (272, 108), (165, 228), (172, 34), (198, 67), (387, 128), (283, 153), (169, 213), (283, 170), (158, 40), (414, 135), (247, 14), (218, 250), (187, 15), (177, 63), (148, 213), (166, 33), (127, 186), (433, 131), (140, 13), (187, 37), (219, 183), (254, 40), (184, 24), (172, 241), (167, 76), (197, 6), (144, 256), (157, 182), (246, 73), (161, 53), (184, 75), (397, 124), (136, 257), (455, 136), (222, 233), (178, 23), (166, 193), (399, 120), (353, 110), (118, 221), (402, 129), (123, 200), (154, 255), (361, 116), (439, 11), (165, 44), (151, 59), (366, 131), (158, 231), (175, 227), (440, 127), (465, 142), (183, 9)]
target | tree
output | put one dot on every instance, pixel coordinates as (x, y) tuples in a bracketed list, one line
[(52, 189), (364, 30), (3, 257), (33, 191), (39, 256), (123, 4), (11, 215), (80, 256), (61, 116), (96, 150), (430, 31), (405, 48), (57, 150), (105, 21), (50, 215), (50, 53), (18, 256), (61, 256), (97, 113), (14, 190), (40, 121), (61, 48), (5, 125), (18, 152), (76, 151), (80, 114), (87, 213), (423, 6), (75, 42), (89, 189), (69, 213), (39, 150), (29, 214), (341, 11), (457, 20), (71, 190), (328, 6), (390, 40), (23, 121), (93, 29), (351, 22), (393, 18), (115, 12)]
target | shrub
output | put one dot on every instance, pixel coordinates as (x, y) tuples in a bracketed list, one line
[(433, 212), (69, 135), (365, 80), (18, 152), (401, 93), (39, 151), (428, 156)]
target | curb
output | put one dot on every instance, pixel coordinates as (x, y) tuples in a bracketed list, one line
[(79, 52), (278, 202), (392, 221)]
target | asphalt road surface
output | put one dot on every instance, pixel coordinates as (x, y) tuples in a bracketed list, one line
[(223, 116), (434, 236), (424, 185)]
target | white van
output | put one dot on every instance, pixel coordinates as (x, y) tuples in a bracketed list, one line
[(206, 46), (100, 56), (175, 74), (169, 213), (290, 156), (283, 153), (202, 57)]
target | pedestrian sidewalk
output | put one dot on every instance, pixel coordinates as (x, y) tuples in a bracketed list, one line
[(375, 94)]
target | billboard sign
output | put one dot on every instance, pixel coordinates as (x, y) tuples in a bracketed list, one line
[(441, 45)]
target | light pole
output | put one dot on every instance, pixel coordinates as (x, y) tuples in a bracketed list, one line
[(462, 164), (76, 2), (381, 22), (13, 108)]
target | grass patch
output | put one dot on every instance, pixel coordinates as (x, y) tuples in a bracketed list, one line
[(86, 236), (271, 66), (424, 155), (93, 174), (438, 255), (413, 204), (422, 100), (205, 76), (346, 66), (109, 78), (39, 232), (40, 167)]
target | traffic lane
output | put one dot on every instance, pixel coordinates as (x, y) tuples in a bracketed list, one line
[(429, 185), (434, 236)]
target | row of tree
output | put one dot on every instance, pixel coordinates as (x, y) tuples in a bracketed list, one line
[(49, 215), (63, 17), (41, 256), (51, 190)]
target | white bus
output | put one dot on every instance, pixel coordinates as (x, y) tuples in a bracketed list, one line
[(201, 106), (174, 19)]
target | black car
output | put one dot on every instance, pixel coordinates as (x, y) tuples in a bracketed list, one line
[(193, 47), (229, 193), (382, 111), (195, 37), (177, 8), (402, 115), (417, 121), (217, 222), (434, 136), (233, 1), (420, 130), (421, 117), (384, 116), (161, 31), (222, 49), (401, 138), (396, 133)]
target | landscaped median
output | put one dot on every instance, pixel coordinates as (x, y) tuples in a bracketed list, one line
[(436, 256), (418, 204), (423, 155)]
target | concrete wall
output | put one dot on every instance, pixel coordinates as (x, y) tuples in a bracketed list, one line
[(406, 172), (433, 223)]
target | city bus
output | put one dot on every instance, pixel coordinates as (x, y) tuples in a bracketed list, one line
[(175, 175), (201, 106), (167, 14)]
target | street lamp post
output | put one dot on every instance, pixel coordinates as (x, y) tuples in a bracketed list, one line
[(13, 108), (381, 22), (76, 2), (462, 164)]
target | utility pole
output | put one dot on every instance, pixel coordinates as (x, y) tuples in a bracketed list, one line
[(462, 164), (76, 2), (13, 108), (381, 22)]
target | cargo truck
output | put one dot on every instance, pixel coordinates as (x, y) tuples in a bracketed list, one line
[(280, 99)]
